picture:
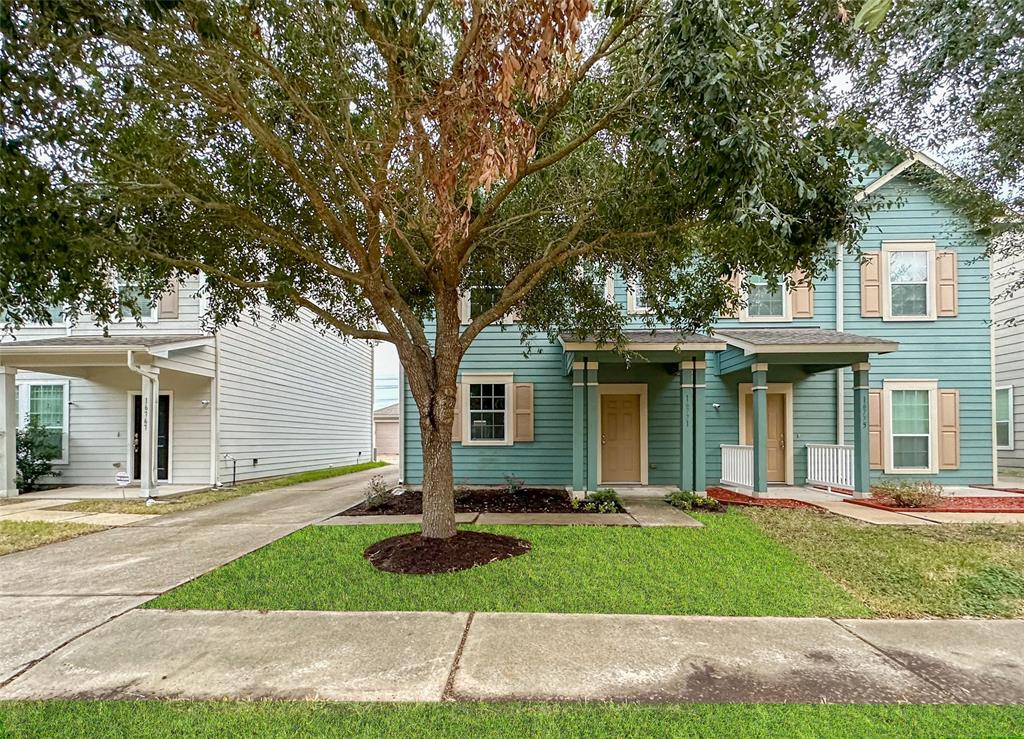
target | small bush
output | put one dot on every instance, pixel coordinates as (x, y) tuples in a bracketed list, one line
[(602, 501), (36, 451), (907, 493), (378, 494), (513, 484), (687, 500)]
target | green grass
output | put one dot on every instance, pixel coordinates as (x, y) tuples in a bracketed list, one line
[(197, 500), (910, 571), (729, 567), (265, 719), (16, 536)]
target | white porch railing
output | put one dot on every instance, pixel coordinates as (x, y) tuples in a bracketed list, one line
[(830, 465), (738, 465)]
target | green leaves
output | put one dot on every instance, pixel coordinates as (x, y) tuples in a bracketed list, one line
[(871, 14)]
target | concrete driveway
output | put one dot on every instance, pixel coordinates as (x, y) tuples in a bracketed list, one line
[(54, 594)]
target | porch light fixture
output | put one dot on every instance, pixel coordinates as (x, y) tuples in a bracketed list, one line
[(716, 406)]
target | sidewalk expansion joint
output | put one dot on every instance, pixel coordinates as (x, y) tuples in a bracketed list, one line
[(896, 661), (448, 694)]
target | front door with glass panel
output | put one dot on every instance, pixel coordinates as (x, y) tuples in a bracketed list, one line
[(163, 437), (620, 438), (776, 433)]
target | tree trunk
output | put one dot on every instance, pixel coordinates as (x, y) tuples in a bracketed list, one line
[(438, 484)]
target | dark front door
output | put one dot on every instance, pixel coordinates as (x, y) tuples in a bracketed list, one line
[(163, 437)]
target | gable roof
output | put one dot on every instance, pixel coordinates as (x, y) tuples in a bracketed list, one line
[(388, 411), (917, 157)]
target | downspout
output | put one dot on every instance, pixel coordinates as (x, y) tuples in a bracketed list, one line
[(215, 416), (693, 421), (840, 372), (401, 424)]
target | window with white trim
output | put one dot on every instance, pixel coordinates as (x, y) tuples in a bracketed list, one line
[(487, 409), (47, 402), (479, 299), (131, 298), (910, 411), (766, 300), (636, 298), (1004, 417), (909, 273)]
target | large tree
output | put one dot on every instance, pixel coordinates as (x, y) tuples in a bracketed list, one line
[(368, 162)]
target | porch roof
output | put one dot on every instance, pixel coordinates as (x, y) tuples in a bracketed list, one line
[(816, 340), (75, 355), (646, 340)]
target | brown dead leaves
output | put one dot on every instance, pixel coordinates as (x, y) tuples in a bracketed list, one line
[(470, 133)]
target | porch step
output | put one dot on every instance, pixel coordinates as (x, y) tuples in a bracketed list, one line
[(655, 512)]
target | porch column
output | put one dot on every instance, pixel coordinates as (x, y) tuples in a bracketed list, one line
[(692, 452), (150, 411), (759, 390), (861, 435), (8, 433), (585, 439)]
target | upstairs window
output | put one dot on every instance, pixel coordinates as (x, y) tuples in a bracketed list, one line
[(908, 284), (637, 299), (766, 300), (130, 299), (1004, 418)]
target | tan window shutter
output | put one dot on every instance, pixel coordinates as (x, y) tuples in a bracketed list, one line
[(949, 429), (457, 421), (523, 409), (871, 286), (945, 284), (169, 302), (875, 429), (735, 281), (802, 296)]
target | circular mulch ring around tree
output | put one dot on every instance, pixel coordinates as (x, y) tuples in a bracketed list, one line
[(411, 554)]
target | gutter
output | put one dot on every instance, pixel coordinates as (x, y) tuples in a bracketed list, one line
[(840, 372)]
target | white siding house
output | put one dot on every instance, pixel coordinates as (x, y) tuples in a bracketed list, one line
[(1008, 320), (252, 400)]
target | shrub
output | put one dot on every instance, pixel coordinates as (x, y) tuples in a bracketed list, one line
[(601, 501), (687, 500), (377, 493), (35, 455), (907, 493), (512, 483)]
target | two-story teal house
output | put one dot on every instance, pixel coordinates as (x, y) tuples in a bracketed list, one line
[(882, 368)]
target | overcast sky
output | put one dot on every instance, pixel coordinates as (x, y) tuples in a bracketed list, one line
[(385, 375)]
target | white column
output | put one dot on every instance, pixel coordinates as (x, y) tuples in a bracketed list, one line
[(150, 411), (8, 433)]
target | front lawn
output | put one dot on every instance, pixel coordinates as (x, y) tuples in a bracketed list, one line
[(945, 571), (197, 500), (729, 567), (219, 719), (16, 536)]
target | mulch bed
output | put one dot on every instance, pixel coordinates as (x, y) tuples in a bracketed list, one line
[(958, 504), (411, 554), (732, 498), (477, 500)]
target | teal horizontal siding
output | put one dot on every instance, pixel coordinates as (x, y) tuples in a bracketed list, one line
[(954, 351)]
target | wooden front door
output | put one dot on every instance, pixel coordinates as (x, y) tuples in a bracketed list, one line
[(776, 434), (620, 438)]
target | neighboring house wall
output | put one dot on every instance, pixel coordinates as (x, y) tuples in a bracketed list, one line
[(386, 435), (952, 351), (1008, 317), (292, 399)]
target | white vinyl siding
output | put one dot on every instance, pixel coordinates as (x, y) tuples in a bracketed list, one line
[(292, 399)]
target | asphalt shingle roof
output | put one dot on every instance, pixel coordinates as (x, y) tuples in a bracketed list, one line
[(101, 342)]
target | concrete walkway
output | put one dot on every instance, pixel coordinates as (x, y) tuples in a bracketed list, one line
[(54, 594), (506, 656)]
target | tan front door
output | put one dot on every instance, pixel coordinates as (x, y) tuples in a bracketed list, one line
[(620, 438), (776, 434)]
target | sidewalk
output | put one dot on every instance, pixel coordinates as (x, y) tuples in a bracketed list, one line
[(423, 656), (51, 595)]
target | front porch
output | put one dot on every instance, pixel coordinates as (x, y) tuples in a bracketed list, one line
[(115, 407), (641, 412)]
